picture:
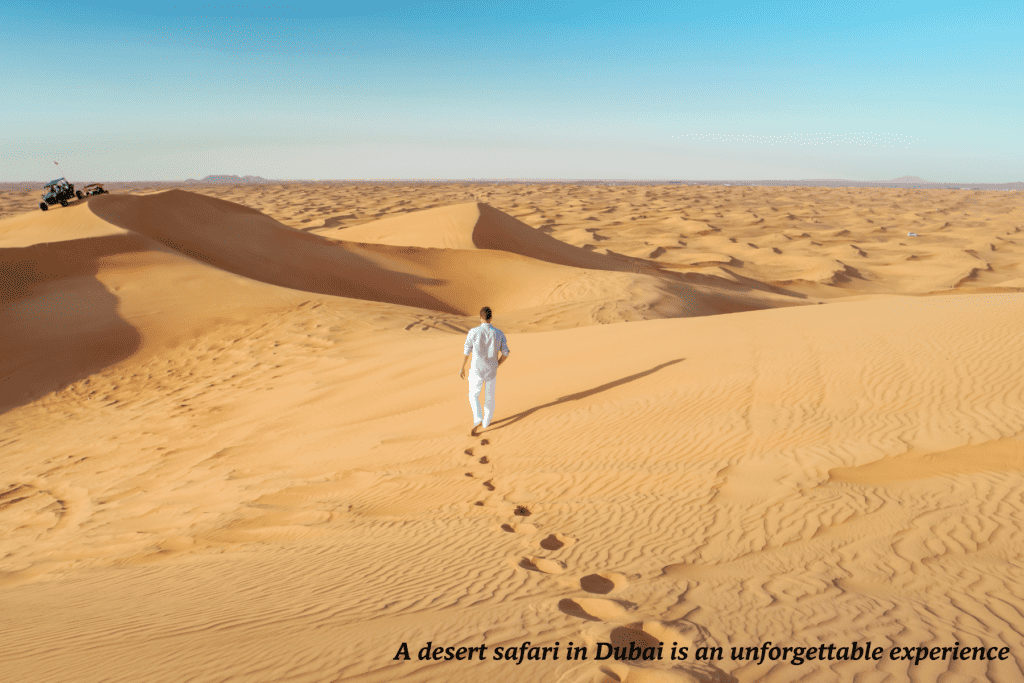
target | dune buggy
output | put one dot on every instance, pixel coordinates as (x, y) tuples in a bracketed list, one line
[(93, 188), (58, 190)]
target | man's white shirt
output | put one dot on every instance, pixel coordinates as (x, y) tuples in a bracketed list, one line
[(485, 342)]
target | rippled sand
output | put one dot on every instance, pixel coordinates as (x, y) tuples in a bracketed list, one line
[(235, 444)]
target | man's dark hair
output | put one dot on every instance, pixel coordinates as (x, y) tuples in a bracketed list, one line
[(485, 312)]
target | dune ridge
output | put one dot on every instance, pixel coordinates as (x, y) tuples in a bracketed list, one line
[(245, 242), (409, 260)]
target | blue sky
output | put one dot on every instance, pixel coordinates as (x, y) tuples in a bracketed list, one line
[(558, 89)]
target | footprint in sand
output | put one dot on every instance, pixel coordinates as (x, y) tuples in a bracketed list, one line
[(603, 583), (619, 616), (557, 542), (643, 634), (623, 673), (551, 542), (596, 609), (542, 565), (483, 461), (35, 506), (652, 634)]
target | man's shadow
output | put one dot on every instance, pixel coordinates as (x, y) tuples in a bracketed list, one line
[(505, 422)]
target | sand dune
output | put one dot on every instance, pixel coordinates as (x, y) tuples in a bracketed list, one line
[(479, 226), (245, 242), (409, 260), (235, 445)]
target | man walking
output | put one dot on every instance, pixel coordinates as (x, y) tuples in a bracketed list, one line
[(490, 349)]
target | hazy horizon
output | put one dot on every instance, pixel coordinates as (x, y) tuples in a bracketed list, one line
[(229, 179), (526, 90)]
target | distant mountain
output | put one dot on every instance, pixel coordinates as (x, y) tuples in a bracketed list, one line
[(230, 179), (907, 179)]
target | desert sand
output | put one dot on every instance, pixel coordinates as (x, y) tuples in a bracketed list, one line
[(235, 445)]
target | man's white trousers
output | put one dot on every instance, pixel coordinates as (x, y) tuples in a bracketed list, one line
[(476, 384)]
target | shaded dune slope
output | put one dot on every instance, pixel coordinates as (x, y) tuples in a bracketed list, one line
[(476, 225), (246, 242), (479, 226), (78, 294), (60, 323)]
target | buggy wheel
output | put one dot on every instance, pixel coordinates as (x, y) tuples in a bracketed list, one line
[(79, 194), (63, 202), (43, 206)]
